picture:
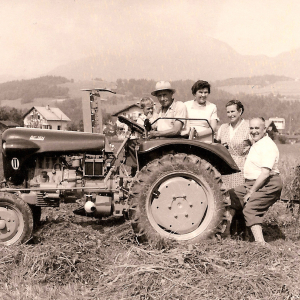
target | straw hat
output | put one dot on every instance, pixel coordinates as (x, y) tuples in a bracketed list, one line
[(162, 85)]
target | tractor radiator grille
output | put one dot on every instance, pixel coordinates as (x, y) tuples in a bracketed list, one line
[(93, 167)]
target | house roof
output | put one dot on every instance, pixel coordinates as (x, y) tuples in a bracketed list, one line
[(124, 109), (49, 113), (272, 124), (9, 123)]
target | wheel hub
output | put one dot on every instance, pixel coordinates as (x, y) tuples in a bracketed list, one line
[(9, 223), (179, 205), (2, 224)]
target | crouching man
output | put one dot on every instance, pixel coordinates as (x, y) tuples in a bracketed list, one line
[(263, 184)]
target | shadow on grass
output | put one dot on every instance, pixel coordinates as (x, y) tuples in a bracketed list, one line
[(94, 223), (75, 226), (273, 233)]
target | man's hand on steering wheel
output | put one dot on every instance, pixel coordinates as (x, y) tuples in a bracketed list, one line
[(133, 125)]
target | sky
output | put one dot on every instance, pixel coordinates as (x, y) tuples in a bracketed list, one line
[(36, 36)]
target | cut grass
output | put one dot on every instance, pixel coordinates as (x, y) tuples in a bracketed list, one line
[(88, 259), (73, 257)]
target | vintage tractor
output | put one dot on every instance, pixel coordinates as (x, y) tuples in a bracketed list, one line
[(175, 190)]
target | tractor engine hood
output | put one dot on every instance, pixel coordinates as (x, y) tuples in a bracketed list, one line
[(28, 141)]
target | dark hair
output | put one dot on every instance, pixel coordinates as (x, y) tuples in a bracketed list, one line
[(260, 118), (239, 105), (199, 85)]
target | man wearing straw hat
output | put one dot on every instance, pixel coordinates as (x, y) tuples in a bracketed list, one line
[(263, 184), (175, 110)]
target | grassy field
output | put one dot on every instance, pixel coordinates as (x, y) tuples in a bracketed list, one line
[(73, 257), (286, 88)]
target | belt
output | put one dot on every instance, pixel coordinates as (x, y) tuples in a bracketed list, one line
[(271, 176)]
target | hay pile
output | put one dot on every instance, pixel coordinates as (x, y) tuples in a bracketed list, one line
[(76, 258)]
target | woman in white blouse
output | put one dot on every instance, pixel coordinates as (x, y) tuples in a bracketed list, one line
[(200, 108)]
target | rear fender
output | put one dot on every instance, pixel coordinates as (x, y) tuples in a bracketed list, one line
[(214, 153)]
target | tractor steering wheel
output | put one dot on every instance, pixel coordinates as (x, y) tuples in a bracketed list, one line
[(133, 125)]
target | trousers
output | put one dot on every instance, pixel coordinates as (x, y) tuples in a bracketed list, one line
[(259, 202)]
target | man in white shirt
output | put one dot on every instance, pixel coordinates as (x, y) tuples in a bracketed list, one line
[(175, 110), (263, 184)]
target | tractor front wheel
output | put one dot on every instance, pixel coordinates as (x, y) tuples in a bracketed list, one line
[(16, 221)]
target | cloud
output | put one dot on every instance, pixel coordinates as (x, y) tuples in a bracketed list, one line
[(260, 27)]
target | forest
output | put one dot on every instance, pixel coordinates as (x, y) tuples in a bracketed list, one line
[(11, 114), (27, 90), (130, 91), (254, 80)]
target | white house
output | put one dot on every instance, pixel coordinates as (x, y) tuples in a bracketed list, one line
[(132, 112), (279, 123), (46, 118)]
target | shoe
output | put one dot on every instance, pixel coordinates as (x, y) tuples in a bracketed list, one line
[(226, 234), (264, 244)]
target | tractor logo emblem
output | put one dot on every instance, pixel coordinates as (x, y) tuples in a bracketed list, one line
[(15, 163), (37, 138)]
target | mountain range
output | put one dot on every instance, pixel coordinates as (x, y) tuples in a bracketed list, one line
[(199, 58), (192, 56)]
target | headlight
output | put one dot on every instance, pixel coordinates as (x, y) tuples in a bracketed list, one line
[(4, 146)]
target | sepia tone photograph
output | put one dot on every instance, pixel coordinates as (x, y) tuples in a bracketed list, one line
[(150, 150)]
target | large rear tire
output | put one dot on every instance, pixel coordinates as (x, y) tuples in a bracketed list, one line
[(179, 197), (16, 221)]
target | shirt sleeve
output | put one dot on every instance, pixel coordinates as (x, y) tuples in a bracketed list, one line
[(268, 157), (180, 111), (214, 115)]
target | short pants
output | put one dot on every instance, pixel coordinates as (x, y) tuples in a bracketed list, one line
[(259, 202)]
